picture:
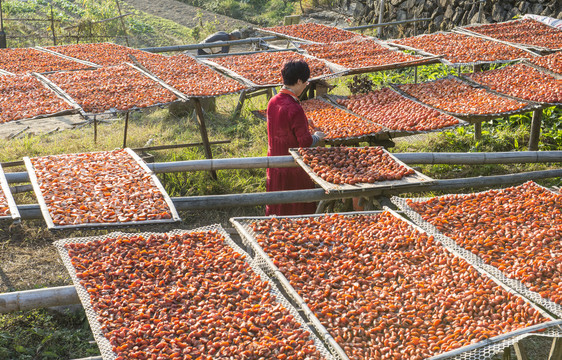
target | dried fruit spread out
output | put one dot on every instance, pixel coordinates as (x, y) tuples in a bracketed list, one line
[(358, 53), (101, 187), (315, 32), (4, 208), (388, 108), (523, 82), (24, 97), (26, 60), (517, 230), (454, 96), (385, 290), (185, 297), (459, 48), (116, 87), (336, 123), (265, 68), (345, 165), (103, 54), (190, 77), (525, 31), (552, 62)]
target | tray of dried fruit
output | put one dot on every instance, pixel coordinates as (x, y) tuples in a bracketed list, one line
[(189, 78), (26, 97), (102, 54), (400, 115), (462, 49), (524, 32), (340, 125), (21, 61), (110, 89), (263, 69), (311, 32), (183, 294), (512, 233), (377, 284), (456, 97), (551, 63), (340, 169), (365, 55), (8, 208), (99, 189), (520, 82)]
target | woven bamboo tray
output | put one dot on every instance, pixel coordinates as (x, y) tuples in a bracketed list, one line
[(481, 350), (49, 220), (103, 343), (414, 180)]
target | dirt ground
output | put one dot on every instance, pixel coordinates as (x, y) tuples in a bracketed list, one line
[(184, 14)]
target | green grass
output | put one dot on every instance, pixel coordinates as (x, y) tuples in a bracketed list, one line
[(43, 334)]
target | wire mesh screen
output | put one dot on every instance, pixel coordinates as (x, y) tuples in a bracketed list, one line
[(106, 347), (483, 349)]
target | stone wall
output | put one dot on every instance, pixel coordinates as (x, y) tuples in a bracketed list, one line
[(445, 14)]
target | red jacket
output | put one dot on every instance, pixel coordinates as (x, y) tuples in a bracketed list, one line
[(287, 127)]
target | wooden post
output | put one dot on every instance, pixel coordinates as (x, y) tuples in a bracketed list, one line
[(476, 67), (506, 354), (95, 130), (241, 100), (53, 27), (203, 130), (125, 132), (556, 350), (478, 130), (535, 130), (520, 351), (122, 22)]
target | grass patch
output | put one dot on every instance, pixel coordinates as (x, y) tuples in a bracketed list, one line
[(43, 334)]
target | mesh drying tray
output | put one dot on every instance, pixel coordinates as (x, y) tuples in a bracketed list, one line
[(335, 70), (145, 71), (469, 117), (520, 45), (49, 220), (294, 38), (423, 59), (482, 350), (394, 133), (5, 189), (496, 92), (414, 180), (103, 343), (475, 260), (444, 61)]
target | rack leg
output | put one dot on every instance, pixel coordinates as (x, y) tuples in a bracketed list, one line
[(520, 351), (95, 130), (125, 130), (535, 130), (506, 354), (556, 350), (478, 130), (203, 131), (241, 100)]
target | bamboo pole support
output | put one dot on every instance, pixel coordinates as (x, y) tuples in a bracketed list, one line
[(535, 130), (520, 351), (556, 350), (478, 130), (39, 298), (95, 130), (122, 24), (203, 130), (125, 130), (53, 27)]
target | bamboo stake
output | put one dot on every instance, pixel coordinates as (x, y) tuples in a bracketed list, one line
[(535, 130), (510, 157), (125, 130), (203, 130), (39, 298), (122, 22)]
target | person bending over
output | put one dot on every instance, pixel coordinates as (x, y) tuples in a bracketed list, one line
[(219, 36)]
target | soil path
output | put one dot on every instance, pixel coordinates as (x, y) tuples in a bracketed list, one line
[(184, 14)]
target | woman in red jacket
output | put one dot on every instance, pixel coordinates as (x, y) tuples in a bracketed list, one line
[(287, 127)]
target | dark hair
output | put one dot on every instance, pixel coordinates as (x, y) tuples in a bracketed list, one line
[(294, 70)]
